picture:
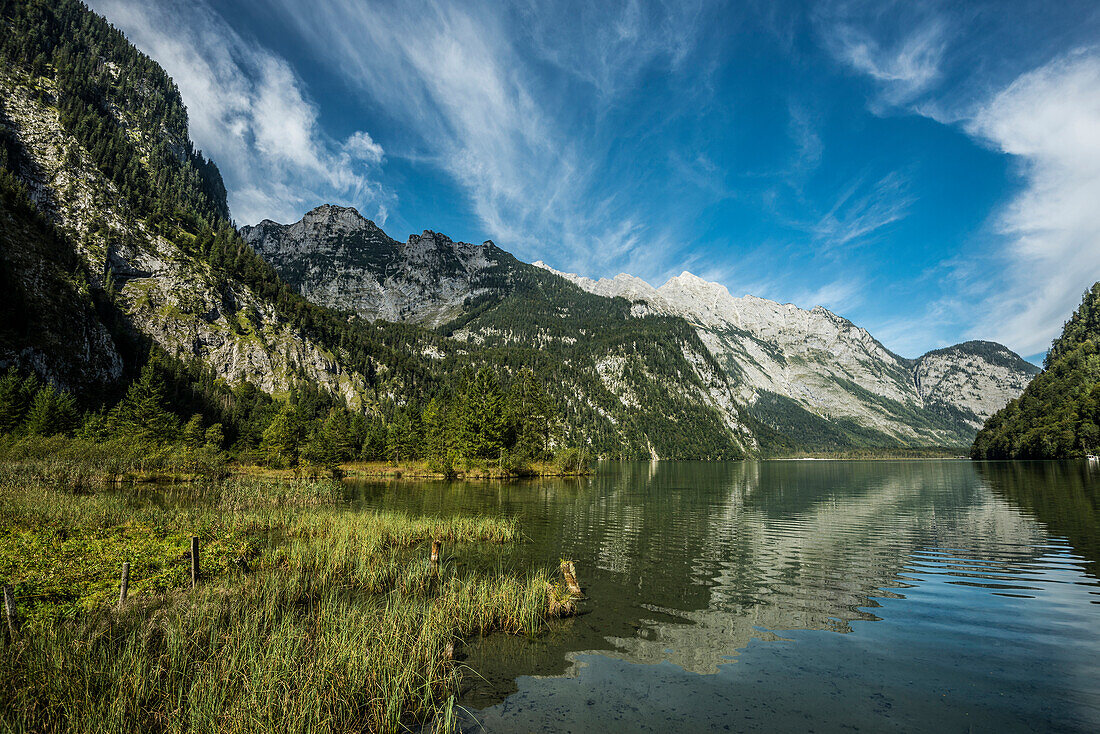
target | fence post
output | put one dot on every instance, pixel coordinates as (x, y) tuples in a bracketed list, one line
[(569, 571), (194, 561), (125, 584), (9, 611), (437, 546)]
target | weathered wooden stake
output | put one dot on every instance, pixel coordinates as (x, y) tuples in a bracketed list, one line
[(9, 611), (569, 572), (125, 584), (194, 561), (437, 546)]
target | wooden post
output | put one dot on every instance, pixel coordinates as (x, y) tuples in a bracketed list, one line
[(125, 584), (194, 561), (569, 572), (9, 611), (437, 546)]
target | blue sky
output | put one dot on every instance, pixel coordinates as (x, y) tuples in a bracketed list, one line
[(929, 170)]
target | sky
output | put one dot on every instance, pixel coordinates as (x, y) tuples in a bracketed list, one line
[(929, 170)]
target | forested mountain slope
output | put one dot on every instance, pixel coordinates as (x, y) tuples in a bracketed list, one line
[(107, 201), (809, 380), (817, 376), (634, 387), (1058, 415)]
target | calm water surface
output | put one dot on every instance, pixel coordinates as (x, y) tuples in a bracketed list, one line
[(797, 596)]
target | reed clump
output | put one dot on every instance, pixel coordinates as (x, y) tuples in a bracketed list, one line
[(343, 624)]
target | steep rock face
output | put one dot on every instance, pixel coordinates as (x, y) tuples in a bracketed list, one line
[(638, 386), (978, 377), (336, 257), (787, 359), (163, 292)]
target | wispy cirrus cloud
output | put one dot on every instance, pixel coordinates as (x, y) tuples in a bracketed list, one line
[(247, 110), (1049, 120), (1041, 249), (862, 210), (905, 65), (470, 81)]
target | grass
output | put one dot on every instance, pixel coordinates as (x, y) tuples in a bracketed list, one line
[(420, 469), (343, 625)]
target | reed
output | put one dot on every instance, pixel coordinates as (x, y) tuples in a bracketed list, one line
[(343, 624)]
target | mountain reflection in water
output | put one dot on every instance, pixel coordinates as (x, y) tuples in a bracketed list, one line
[(701, 565)]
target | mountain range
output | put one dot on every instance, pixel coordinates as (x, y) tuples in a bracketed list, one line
[(783, 371), (117, 244)]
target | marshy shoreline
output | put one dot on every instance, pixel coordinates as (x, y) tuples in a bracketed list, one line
[(308, 614)]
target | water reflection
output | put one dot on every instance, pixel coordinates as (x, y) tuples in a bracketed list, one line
[(694, 564)]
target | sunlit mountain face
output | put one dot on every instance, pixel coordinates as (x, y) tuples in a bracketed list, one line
[(886, 164)]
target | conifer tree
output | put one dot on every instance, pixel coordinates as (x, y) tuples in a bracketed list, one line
[(529, 415), (192, 434), (52, 412), (13, 401), (374, 442), (337, 436), (283, 439), (481, 417), (402, 438), (438, 437), (214, 437), (143, 413)]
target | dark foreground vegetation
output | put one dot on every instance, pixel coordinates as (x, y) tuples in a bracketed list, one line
[(481, 429), (308, 615), (1058, 415)]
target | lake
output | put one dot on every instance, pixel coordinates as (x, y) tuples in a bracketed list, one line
[(796, 596)]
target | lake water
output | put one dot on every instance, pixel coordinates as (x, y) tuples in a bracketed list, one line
[(797, 596)]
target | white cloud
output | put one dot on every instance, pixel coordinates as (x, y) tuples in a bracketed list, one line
[(1050, 119), (905, 69), (469, 82), (839, 296), (1042, 248), (861, 210), (905, 65), (247, 112), (361, 147)]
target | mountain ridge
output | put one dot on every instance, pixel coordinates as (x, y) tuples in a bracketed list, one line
[(819, 366)]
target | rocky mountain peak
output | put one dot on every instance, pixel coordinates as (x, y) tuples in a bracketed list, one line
[(344, 218), (337, 257)]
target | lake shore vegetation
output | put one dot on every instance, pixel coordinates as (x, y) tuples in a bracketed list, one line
[(308, 615)]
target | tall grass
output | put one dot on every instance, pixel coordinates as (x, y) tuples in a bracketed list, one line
[(344, 624)]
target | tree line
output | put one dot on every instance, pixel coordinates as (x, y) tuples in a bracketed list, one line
[(1058, 414), (480, 420)]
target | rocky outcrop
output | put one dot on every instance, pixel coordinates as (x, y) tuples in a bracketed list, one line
[(976, 377), (337, 258), (163, 292), (828, 366)]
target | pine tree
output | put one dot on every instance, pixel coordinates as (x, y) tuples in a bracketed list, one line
[(214, 437), (283, 439), (402, 438), (143, 413), (13, 401), (438, 436), (481, 417), (337, 436), (374, 442), (529, 416), (193, 435), (52, 412)]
